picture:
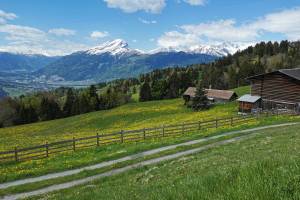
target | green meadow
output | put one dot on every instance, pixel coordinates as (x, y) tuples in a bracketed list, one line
[(265, 167), (135, 115)]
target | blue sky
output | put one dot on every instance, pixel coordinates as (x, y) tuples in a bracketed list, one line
[(57, 27)]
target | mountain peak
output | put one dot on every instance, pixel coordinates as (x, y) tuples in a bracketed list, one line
[(115, 47)]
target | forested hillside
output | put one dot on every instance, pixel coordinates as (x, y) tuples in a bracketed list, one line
[(226, 73), (231, 71)]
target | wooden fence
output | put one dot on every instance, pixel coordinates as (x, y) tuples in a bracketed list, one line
[(48, 149)]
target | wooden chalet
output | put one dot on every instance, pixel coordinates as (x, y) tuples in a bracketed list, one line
[(278, 90), (217, 96)]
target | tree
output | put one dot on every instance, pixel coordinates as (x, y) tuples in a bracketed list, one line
[(173, 82), (67, 109), (145, 92), (84, 104), (26, 114), (200, 101), (93, 99), (49, 109)]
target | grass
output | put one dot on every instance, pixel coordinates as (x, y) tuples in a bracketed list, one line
[(130, 116), (264, 167), (71, 160), (88, 173), (135, 115), (242, 90)]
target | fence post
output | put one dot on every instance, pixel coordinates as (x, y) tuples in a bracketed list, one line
[(199, 125), (183, 128), (231, 121), (16, 154), (74, 147), (122, 136), (47, 149), (163, 130), (98, 143), (144, 134)]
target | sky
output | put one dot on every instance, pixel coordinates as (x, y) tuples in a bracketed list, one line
[(60, 27)]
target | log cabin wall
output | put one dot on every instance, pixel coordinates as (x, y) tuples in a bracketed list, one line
[(276, 87)]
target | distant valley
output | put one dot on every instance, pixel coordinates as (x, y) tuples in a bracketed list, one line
[(108, 61)]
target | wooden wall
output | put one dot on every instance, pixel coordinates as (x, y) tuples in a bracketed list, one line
[(276, 87)]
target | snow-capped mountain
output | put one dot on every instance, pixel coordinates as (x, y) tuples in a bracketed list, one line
[(116, 47), (113, 60), (121, 47), (219, 50), (116, 59)]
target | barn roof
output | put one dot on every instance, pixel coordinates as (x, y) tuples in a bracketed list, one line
[(249, 98), (293, 73), (191, 91), (211, 93), (220, 94)]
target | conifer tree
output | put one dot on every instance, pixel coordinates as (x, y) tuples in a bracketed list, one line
[(70, 100), (200, 101), (145, 92)]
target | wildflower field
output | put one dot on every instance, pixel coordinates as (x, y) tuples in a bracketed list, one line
[(135, 115), (265, 167), (131, 116)]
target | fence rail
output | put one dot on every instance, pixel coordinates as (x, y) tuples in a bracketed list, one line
[(123, 136)]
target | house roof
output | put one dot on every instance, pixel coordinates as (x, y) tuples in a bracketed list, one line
[(211, 93), (249, 99), (191, 91), (293, 73), (220, 94)]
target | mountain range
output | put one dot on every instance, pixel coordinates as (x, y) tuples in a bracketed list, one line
[(12, 62), (110, 60)]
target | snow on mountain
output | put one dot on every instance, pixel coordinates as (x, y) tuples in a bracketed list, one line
[(116, 47), (120, 47), (220, 50)]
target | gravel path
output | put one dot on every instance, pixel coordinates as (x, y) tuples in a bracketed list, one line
[(129, 167)]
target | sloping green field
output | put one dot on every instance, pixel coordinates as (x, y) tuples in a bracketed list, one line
[(131, 116), (265, 167)]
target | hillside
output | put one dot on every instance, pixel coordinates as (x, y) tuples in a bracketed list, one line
[(23, 62), (130, 116), (263, 167)]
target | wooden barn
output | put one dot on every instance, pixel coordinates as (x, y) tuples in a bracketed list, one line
[(278, 90), (217, 96)]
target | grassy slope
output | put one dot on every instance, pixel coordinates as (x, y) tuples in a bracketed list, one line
[(130, 116), (264, 167)]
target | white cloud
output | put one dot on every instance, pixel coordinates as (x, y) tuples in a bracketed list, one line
[(25, 39), (99, 34), (175, 39), (16, 32), (62, 32), (225, 30), (4, 16), (286, 22), (147, 21), (130, 6), (135, 41), (196, 2)]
